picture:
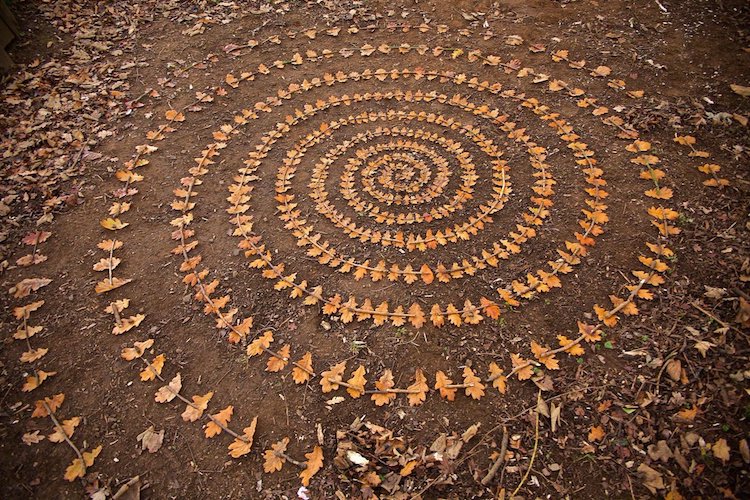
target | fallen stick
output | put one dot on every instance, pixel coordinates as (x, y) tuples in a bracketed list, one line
[(499, 461)]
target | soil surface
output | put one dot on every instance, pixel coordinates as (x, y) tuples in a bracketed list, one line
[(578, 197)]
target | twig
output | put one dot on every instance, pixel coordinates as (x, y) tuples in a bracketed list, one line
[(126, 487), (289, 459), (533, 453), (499, 461), (61, 430)]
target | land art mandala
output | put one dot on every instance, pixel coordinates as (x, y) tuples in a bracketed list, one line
[(423, 186)]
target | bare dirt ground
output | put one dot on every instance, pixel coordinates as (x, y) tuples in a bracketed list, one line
[(183, 181)]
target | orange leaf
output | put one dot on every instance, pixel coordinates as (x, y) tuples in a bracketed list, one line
[(384, 383), (224, 416), (312, 465), (358, 381), (242, 446), (195, 411), (276, 363), (420, 384), (258, 345), (441, 381), (274, 460), (329, 378), (299, 375), (476, 388), (596, 433)]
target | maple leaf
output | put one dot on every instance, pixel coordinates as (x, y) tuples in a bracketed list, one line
[(499, 381), (384, 383), (240, 447), (329, 378), (357, 381), (68, 426), (420, 385), (259, 345), (476, 388), (522, 367), (53, 404), (277, 363), (224, 416), (312, 465), (274, 458), (154, 368), (194, 411), (78, 467), (547, 360), (441, 384), (167, 393), (301, 375)]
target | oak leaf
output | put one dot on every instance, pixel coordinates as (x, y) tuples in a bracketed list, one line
[(277, 363), (721, 450), (540, 353), (24, 287), (260, 344), (441, 384), (521, 367), (68, 426), (33, 354), (274, 458), (499, 381), (313, 464), (78, 467), (420, 385), (53, 403), (242, 446), (167, 393), (150, 439), (224, 416), (329, 378), (357, 381), (195, 410), (300, 375), (476, 388), (596, 433), (154, 368), (384, 383), (35, 380)]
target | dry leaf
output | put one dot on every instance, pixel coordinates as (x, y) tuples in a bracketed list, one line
[(274, 459), (312, 465), (240, 447), (167, 393), (224, 416), (195, 411), (151, 440), (78, 467)]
